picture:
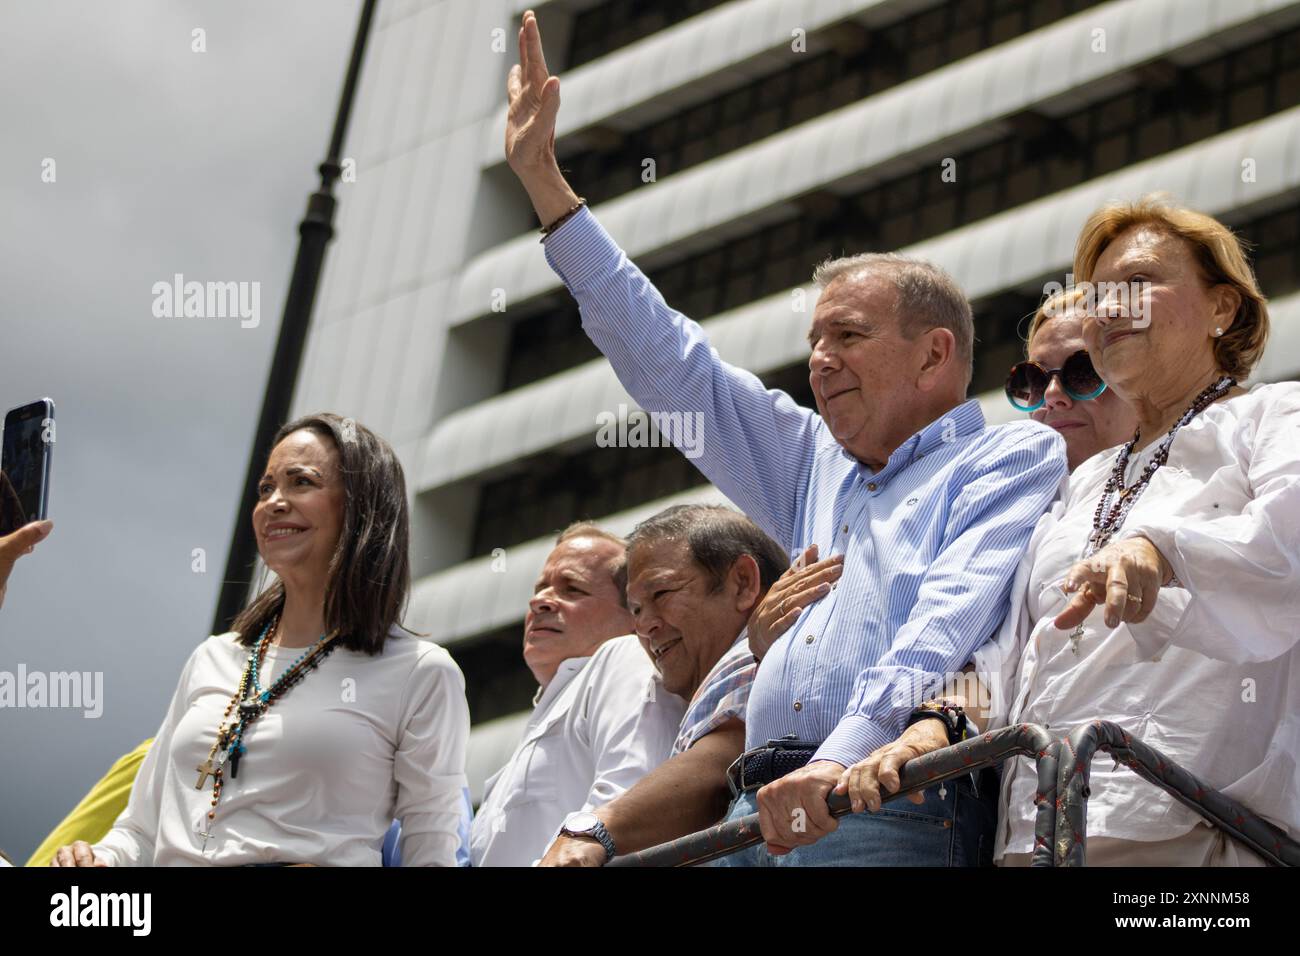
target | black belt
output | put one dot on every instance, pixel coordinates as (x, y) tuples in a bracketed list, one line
[(760, 766)]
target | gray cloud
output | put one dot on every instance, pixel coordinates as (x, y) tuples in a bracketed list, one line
[(167, 161)]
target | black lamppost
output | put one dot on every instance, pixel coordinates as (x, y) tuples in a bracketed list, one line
[(315, 232)]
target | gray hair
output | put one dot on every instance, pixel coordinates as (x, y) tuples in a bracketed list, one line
[(717, 537), (928, 298)]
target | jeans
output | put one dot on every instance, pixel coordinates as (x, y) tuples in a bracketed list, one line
[(956, 829)]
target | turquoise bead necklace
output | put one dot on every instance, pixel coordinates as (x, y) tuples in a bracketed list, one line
[(229, 745)]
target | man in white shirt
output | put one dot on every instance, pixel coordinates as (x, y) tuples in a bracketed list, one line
[(602, 718)]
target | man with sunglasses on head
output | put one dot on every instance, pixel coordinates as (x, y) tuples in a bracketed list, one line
[(1059, 387), (930, 508)]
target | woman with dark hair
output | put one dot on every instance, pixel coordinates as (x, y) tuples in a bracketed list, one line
[(300, 735)]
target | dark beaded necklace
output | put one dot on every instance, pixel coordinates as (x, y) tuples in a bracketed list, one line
[(1112, 510), (230, 736)]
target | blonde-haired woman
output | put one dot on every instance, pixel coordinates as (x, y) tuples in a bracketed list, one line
[(1163, 592), (1059, 386)]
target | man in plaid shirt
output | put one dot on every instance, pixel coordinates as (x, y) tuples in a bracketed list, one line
[(701, 590)]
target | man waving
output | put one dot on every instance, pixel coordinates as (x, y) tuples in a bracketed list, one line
[(899, 474)]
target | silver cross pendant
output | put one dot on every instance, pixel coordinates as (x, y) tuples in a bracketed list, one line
[(204, 832), (1075, 637)]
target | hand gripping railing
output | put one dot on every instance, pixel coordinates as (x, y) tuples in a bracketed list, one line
[(1075, 761), (1028, 740)]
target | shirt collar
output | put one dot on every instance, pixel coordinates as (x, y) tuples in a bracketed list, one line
[(741, 638), (563, 674), (966, 419)]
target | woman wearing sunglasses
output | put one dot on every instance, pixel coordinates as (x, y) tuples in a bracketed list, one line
[(1059, 387), (1163, 591)]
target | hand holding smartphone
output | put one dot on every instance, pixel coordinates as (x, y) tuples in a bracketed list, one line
[(26, 452), (26, 446)]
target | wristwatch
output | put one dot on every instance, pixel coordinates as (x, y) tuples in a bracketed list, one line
[(584, 824)]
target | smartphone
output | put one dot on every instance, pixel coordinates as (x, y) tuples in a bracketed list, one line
[(25, 453)]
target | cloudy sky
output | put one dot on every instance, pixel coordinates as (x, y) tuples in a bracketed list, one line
[(166, 160)]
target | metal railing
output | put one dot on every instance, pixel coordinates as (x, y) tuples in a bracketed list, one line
[(1076, 753), (1060, 826), (986, 750)]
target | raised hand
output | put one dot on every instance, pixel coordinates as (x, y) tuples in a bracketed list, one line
[(534, 103), (534, 98)]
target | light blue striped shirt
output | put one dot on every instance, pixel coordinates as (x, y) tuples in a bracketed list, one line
[(931, 541)]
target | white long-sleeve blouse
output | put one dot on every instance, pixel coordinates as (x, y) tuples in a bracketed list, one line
[(1212, 677), (358, 742)]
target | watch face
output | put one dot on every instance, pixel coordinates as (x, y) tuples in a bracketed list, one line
[(581, 822)]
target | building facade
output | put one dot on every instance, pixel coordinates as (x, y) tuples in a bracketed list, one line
[(729, 147)]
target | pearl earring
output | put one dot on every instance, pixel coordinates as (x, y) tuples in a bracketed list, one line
[(1218, 332)]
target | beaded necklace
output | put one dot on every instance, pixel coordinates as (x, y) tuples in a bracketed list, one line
[(1111, 510), (230, 736)]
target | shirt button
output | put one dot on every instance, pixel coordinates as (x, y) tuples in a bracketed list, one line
[(845, 529), (808, 639), (798, 706), (871, 486)]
